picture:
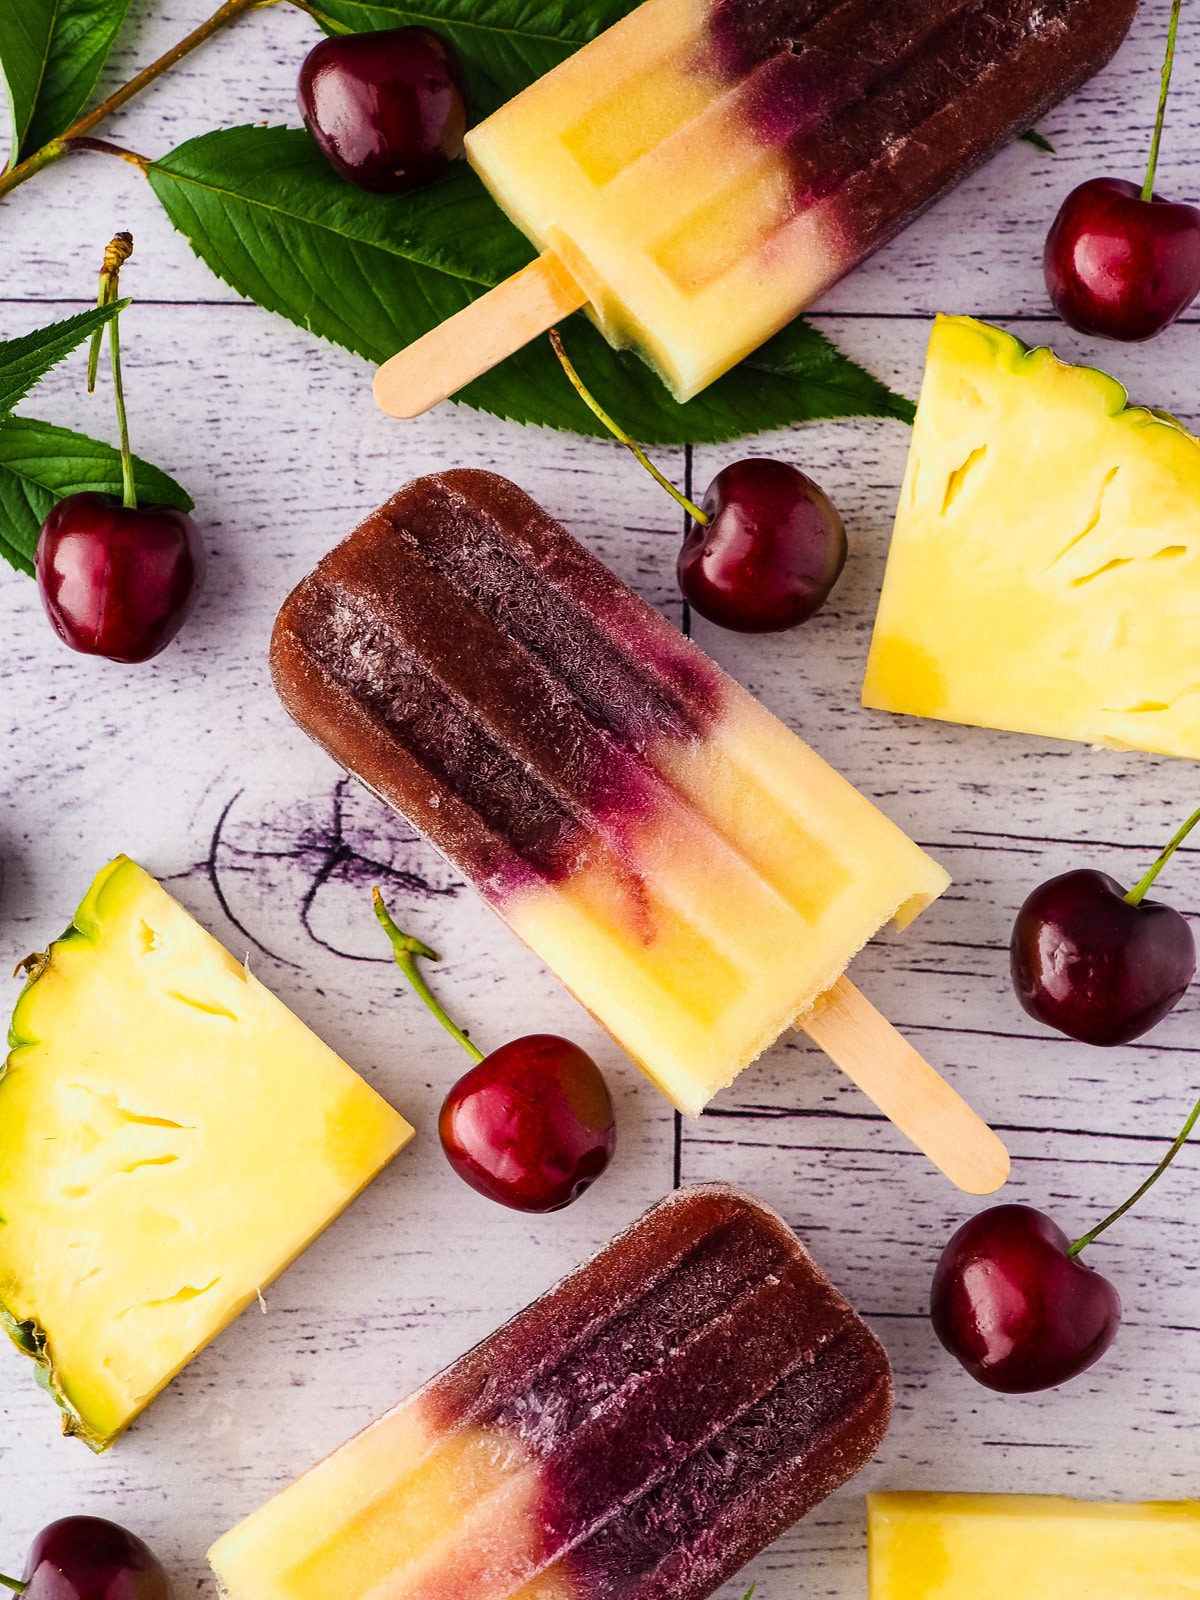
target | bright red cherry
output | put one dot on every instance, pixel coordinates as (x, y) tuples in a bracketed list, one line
[(1120, 266), (88, 1558), (531, 1125), (118, 581), (1015, 1308), (387, 108), (771, 551)]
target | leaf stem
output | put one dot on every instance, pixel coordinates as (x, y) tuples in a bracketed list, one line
[(14, 1584), (61, 146), (105, 147), (314, 13), (1139, 891), (1081, 1244), (406, 949), (1168, 64), (618, 432)]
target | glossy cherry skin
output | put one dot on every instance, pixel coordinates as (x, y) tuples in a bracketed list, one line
[(1118, 265), (773, 549), (116, 581), (531, 1125), (1088, 963), (387, 108), (1012, 1306), (87, 1558)]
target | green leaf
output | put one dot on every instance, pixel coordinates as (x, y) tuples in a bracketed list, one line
[(28, 358), (1039, 141), (373, 272), (52, 52), (41, 464), (503, 44)]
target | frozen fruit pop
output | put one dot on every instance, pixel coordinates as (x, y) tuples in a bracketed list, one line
[(705, 169), (638, 1433), (693, 873)]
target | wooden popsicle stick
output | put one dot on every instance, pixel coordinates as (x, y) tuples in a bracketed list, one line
[(906, 1088), (473, 340)]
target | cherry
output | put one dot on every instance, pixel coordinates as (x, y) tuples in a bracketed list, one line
[(770, 549), (88, 1558), (530, 1125), (1016, 1306), (764, 548), (1097, 963), (1120, 261), (118, 581), (1119, 264), (386, 109)]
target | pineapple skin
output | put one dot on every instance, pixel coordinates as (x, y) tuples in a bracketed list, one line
[(1044, 570), (369, 1129)]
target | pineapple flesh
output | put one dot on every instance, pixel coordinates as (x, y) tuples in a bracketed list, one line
[(1044, 571), (1031, 1547), (171, 1137)]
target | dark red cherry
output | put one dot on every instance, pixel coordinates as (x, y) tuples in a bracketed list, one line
[(115, 580), (772, 550), (1014, 1308), (87, 1558), (1118, 265), (1093, 966), (531, 1125), (387, 108)]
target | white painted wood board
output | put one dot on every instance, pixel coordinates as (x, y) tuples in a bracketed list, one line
[(191, 766)]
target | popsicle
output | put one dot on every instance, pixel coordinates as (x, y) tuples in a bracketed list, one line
[(693, 873), (638, 1433), (705, 169), (1040, 1547)]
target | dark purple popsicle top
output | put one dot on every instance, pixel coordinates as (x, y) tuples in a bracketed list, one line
[(470, 661), (688, 1393), (886, 103)]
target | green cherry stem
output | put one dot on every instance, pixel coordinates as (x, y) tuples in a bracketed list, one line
[(62, 146), (1081, 1244), (118, 252), (406, 949), (1139, 891), (14, 1584), (618, 432), (1164, 90)]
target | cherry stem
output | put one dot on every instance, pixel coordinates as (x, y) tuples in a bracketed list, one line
[(406, 949), (14, 1584), (1139, 891), (65, 142), (618, 432), (118, 252), (1162, 1166), (1168, 64)]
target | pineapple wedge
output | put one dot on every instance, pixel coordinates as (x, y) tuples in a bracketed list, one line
[(171, 1137), (1044, 572), (1031, 1547)]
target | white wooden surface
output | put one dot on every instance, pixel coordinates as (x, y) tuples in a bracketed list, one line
[(190, 765)]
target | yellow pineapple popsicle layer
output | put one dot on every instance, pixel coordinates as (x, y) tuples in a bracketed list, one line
[(1044, 571), (1031, 1547), (171, 1137), (707, 168), (691, 871)]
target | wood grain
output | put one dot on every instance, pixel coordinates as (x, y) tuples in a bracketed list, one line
[(190, 765)]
